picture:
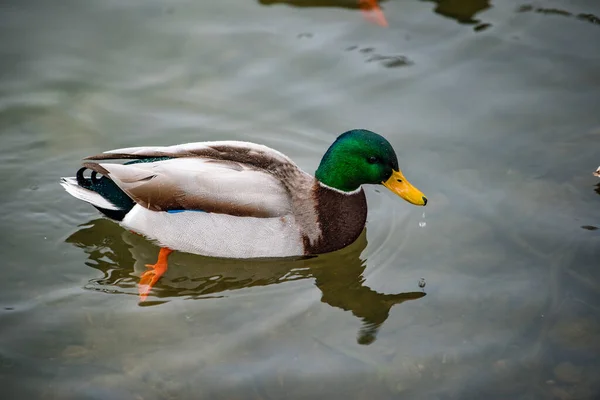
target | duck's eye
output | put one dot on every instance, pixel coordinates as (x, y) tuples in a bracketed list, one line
[(372, 160)]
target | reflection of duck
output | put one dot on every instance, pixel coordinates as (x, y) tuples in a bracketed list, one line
[(369, 8), (338, 275), (241, 200), (462, 11)]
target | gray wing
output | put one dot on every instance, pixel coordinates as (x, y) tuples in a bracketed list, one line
[(192, 183)]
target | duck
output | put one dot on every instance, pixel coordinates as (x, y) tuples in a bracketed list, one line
[(236, 199)]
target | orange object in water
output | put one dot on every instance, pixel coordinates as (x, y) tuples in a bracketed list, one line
[(149, 278), (372, 12)]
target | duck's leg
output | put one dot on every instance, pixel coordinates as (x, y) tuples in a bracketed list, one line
[(372, 12), (150, 277)]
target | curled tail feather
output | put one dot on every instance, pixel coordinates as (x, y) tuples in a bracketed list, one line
[(101, 192)]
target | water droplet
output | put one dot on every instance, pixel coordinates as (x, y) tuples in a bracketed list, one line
[(423, 224), (422, 283)]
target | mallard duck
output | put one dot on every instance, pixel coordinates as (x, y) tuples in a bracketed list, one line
[(238, 199)]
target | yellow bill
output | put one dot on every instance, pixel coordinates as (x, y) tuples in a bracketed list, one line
[(398, 184)]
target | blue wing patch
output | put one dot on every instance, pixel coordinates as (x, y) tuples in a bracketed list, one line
[(180, 211)]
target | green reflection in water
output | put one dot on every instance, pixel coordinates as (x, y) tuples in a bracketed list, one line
[(122, 255)]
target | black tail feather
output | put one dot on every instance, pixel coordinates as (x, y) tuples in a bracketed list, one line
[(105, 187), (117, 215)]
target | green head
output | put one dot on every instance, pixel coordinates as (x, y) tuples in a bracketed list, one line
[(359, 157)]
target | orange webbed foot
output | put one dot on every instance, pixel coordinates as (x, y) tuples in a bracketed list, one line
[(372, 12), (150, 277)]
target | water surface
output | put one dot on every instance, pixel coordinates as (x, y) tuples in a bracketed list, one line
[(492, 108)]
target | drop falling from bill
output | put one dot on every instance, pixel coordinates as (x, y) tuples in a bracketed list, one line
[(422, 224)]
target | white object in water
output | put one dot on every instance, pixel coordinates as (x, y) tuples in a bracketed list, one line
[(423, 224)]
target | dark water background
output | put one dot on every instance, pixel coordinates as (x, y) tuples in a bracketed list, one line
[(493, 109)]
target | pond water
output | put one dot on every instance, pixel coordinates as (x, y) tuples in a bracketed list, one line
[(492, 108)]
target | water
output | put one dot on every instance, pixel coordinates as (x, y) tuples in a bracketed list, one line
[(492, 108)]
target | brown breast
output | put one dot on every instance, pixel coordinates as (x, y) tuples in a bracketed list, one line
[(341, 219)]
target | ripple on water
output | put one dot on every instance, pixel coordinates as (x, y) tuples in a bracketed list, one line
[(493, 117)]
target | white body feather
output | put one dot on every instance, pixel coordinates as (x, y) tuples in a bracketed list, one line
[(218, 235)]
